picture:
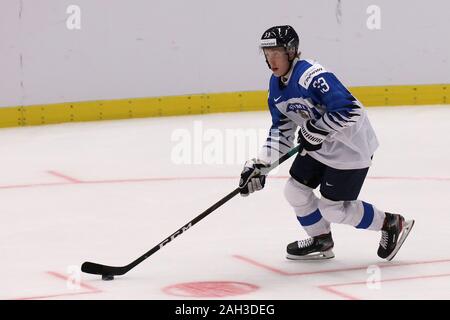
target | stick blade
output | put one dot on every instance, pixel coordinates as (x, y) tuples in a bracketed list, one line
[(96, 268)]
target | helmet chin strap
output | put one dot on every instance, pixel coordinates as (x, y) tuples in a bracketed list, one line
[(291, 61), (290, 67)]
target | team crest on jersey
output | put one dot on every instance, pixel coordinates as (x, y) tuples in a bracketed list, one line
[(299, 108)]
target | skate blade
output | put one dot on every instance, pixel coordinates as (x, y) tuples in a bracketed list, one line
[(405, 232), (314, 256)]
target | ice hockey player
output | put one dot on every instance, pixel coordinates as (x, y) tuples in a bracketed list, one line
[(338, 143)]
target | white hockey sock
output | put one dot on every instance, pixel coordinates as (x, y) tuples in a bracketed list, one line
[(357, 213), (305, 205)]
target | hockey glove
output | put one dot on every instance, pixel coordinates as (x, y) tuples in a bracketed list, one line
[(251, 178), (310, 137)]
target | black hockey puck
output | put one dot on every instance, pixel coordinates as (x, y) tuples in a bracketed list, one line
[(107, 277)]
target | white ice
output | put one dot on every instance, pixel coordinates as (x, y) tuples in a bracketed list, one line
[(109, 191)]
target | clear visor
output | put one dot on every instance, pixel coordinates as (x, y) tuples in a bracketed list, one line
[(274, 52)]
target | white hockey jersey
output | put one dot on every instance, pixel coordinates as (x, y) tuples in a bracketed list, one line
[(314, 93)]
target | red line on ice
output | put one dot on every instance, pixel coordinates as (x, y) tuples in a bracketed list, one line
[(381, 266), (34, 185), (71, 180), (63, 176), (65, 278), (332, 287), (90, 289), (56, 295), (338, 293)]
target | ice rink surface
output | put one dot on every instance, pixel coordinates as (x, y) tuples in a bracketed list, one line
[(109, 191)]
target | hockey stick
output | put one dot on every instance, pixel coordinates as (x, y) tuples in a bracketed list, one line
[(108, 272)]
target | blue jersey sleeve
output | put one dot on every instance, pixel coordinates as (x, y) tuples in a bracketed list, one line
[(281, 135), (342, 109)]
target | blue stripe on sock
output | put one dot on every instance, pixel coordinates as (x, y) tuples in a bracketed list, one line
[(367, 218), (310, 219)]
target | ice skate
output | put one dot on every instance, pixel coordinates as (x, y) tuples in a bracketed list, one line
[(315, 248), (393, 233)]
